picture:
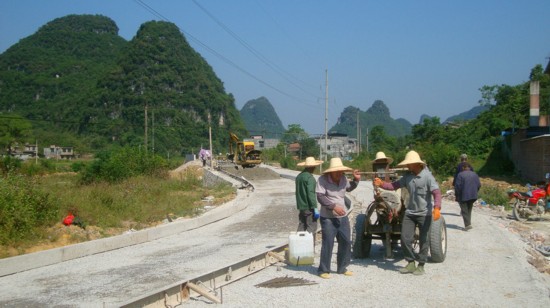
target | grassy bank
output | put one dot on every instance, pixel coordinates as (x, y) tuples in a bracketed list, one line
[(107, 209)]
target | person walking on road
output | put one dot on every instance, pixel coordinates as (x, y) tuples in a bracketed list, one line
[(423, 202), (331, 193), (463, 161), (467, 185), (306, 199)]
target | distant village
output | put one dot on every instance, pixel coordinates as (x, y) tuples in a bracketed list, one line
[(337, 145), (31, 151)]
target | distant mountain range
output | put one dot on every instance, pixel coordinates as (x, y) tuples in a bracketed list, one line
[(260, 118), (467, 115), (80, 84), (461, 117), (377, 115)]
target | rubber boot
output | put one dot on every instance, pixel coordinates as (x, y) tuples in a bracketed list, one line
[(410, 268)]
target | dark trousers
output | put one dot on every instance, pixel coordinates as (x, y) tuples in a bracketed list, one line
[(332, 228), (306, 222), (466, 211), (408, 229)]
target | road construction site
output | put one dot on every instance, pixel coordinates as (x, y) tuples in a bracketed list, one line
[(234, 255)]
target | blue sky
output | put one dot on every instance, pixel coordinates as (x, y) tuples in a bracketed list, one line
[(419, 57)]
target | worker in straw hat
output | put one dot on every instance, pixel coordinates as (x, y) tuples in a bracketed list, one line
[(381, 158), (423, 203), (306, 200), (331, 190)]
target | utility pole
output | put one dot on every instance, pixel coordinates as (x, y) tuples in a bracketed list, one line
[(153, 135), (360, 140), (367, 139), (145, 127), (210, 139), (358, 143), (326, 112), (320, 155)]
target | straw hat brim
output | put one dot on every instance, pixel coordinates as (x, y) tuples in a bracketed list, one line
[(339, 168), (383, 160), (410, 162), (305, 164)]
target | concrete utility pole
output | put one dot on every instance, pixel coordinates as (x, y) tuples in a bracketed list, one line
[(358, 143), (146, 128), (360, 140), (367, 139), (210, 139), (326, 112), (153, 134)]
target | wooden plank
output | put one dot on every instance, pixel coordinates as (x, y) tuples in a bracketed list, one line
[(203, 292), (276, 256)]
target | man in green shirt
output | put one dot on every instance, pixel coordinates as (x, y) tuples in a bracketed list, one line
[(306, 199)]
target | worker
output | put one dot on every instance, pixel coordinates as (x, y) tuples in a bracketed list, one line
[(331, 193), (423, 203)]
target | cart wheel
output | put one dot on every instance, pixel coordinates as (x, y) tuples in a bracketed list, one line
[(438, 240), (361, 241)]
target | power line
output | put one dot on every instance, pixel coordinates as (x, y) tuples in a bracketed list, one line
[(256, 53), (217, 54), (308, 56)]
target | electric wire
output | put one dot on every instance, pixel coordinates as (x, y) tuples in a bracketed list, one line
[(285, 33), (223, 58), (255, 52)]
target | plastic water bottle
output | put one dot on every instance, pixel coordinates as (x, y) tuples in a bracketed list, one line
[(316, 213)]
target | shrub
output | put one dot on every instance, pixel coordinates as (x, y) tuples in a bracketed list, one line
[(116, 165), (288, 162), (23, 209), (9, 164), (78, 166), (493, 195)]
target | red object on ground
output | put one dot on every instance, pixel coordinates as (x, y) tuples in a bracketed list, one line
[(68, 220)]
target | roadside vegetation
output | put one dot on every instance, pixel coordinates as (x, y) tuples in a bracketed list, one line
[(118, 191)]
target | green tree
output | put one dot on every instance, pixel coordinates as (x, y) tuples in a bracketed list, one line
[(379, 140), (309, 147), (294, 133), (430, 131), (13, 129)]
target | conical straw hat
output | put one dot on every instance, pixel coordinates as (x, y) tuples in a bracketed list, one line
[(336, 165), (411, 158), (310, 162), (381, 158)]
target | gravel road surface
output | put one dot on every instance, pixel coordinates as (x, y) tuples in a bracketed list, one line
[(485, 267)]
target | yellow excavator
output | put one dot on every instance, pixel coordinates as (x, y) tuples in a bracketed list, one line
[(242, 153)]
